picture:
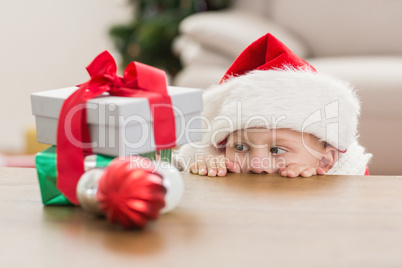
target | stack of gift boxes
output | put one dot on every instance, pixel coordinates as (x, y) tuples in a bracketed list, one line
[(119, 125)]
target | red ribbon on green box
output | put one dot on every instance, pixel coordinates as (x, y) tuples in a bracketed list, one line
[(139, 80)]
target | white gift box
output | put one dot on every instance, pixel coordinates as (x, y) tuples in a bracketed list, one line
[(120, 125)]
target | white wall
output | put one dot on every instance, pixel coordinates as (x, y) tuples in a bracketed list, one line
[(47, 44)]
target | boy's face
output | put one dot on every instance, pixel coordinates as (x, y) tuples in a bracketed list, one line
[(260, 150)]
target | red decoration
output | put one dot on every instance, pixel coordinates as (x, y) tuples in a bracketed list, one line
[(130, 196), (139, 80)]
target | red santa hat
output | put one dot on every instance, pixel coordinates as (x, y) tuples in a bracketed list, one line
[(269, 86)]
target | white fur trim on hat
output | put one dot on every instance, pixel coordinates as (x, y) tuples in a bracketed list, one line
[(300, 100), (353, 162)]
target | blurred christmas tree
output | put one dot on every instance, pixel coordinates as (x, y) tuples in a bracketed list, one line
[(148, 37)]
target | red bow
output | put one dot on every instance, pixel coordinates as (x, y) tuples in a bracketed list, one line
[(139, 80)]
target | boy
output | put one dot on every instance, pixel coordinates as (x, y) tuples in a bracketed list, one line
[(273, 113)]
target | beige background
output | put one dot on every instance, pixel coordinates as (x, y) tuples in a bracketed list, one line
[(47, 44)]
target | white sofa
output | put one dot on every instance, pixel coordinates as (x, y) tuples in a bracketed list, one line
[(357, 40)]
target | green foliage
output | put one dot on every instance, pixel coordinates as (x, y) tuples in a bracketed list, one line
[(148, 37)]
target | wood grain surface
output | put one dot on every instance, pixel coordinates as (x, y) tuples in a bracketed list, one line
[(241, 220)]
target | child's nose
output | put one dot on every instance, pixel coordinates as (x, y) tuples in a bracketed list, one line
[(261, 162)]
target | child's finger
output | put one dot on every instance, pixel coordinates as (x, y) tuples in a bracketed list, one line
[(202, 168), (232, 166), (222, 167), (193, 168), (320, 171), (211, 166), (308, 172), (284, 171), (281, 169), (294, 170)]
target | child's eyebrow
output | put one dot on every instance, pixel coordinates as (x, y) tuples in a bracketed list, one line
[(236, 136), (279, 140)]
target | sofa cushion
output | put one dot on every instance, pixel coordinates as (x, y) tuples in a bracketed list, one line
[(199, 76), (377, 80), (343, 27), (231, 31), (194, 53)]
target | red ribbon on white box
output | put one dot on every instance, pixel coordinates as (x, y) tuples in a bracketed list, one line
[(139, 80)]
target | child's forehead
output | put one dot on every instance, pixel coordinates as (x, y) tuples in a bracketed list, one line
[(268, 135), (264, 131)]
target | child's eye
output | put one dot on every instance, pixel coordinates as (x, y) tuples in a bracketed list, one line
[(241, 147), (277, 150)]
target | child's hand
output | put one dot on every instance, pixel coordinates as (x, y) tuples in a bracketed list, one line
[(213, 166), (294, 170), (209, 165)]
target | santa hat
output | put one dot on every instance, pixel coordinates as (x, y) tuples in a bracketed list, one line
[(271, 87)]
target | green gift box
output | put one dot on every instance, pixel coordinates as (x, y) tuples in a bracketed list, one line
[(47, 172)]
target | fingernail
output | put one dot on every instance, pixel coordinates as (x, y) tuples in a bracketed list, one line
[(202, 171), (212, 173), (221, 173)]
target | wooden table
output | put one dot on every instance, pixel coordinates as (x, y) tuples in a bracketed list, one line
[(236, 221)]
